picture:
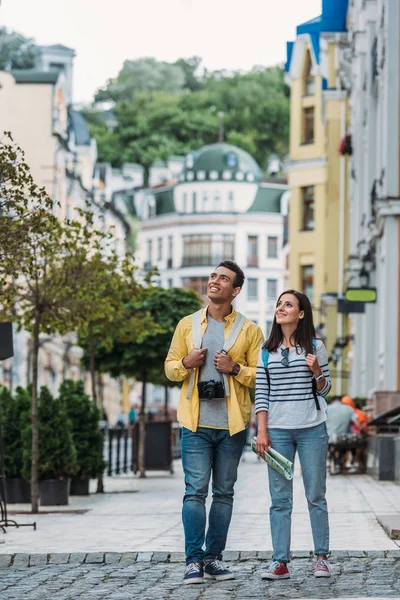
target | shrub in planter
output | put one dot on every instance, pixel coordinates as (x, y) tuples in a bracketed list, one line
[(86, 434), (15, 417), (57, 454)]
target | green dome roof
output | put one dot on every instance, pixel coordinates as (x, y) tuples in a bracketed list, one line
[(220, 162)]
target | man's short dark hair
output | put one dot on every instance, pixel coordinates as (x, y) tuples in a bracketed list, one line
[(232, 266), (336, 398)]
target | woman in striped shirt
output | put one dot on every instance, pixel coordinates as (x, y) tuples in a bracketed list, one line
[(291, 414)]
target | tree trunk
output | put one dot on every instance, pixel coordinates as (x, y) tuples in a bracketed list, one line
[(142, 432), (166, 398), (35, 420), (92, 365)]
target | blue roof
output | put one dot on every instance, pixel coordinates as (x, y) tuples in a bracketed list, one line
[(313, 26), (289, 51), (333, 18), (334, 15)]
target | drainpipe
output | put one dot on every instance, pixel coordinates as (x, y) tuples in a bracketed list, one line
[(341, 240)]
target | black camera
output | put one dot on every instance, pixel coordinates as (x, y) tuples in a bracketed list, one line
[(208, 390)]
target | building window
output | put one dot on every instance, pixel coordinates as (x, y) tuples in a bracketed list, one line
[(159, 248), (185, 203), (272, 247), (231, 203), (170, 283), (309, 79), (149, 251), (206, 202), (170, 249), (308, 125), (197, 284), (308, 207), (252, 289), (268, 328), (272, 289), (252, 251), (194, 196), (307, 281), (207, 249), (217, 202)]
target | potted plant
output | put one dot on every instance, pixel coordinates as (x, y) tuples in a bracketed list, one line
[(15, 415), (57, 454), (86, 434)]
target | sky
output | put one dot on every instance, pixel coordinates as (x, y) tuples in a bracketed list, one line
[(226, 34)]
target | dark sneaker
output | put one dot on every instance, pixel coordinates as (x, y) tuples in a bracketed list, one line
[(322, 568), (216, 569), (193, 573), (276, 570)]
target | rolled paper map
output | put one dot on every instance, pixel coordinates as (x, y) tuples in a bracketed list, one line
[(275, 460)]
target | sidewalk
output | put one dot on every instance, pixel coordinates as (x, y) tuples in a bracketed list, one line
[(137, 515)]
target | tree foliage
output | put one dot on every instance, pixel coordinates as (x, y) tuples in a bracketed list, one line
[(156, 118), (86, 434), (16, 51)]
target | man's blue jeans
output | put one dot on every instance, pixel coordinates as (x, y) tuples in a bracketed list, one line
[(312, 446), (204, 452)]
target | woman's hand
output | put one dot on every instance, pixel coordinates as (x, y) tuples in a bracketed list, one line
[(312, 364), (263, 442)]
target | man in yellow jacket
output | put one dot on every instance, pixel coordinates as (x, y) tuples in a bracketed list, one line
[(214, 409)]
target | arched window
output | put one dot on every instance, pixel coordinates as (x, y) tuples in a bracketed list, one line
[(309, 79)]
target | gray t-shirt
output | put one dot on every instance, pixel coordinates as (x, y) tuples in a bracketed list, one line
[(340, 416), (213, 413)]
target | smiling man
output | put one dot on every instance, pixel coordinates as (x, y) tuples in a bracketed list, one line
[(214, 352)]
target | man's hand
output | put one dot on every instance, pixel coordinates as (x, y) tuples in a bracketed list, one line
[(263, 442), (223, 363), (195, 358)]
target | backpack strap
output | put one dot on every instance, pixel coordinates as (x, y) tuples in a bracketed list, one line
[(197, 341), (265, 359), (313, 382)]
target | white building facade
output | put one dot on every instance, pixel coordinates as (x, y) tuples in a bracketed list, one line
[(369, 69), (218, 209)]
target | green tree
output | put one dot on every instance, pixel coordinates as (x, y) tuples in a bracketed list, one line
[(16, 51), (57, 454), (143, 358), (86, 434), (156, 121), (40, 267), (15, 414)]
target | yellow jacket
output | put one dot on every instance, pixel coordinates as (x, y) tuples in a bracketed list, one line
[(245, 352)]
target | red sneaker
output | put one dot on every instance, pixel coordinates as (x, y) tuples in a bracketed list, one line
[(276, 570), (322, 568)]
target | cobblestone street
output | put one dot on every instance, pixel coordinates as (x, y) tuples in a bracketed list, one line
[(158, 576)]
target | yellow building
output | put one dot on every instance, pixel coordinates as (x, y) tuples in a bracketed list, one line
[(317, 177)]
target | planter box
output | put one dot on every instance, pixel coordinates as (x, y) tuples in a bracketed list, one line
[(54, 492), (381, 460), (18, 491), (79, 486)]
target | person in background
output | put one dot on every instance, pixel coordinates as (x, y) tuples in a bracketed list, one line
[(340, 419), (132, 415)]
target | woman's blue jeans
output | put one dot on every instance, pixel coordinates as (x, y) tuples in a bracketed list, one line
[(204, 452), (312, 446)]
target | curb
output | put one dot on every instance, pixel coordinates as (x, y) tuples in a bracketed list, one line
[(21, 560)]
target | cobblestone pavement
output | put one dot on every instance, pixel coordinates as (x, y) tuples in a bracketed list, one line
[(158, 576)]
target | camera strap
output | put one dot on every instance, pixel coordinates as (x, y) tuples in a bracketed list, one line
[(230, 340)]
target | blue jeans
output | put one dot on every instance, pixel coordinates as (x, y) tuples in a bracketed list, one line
[(203, 452), (312, 446)]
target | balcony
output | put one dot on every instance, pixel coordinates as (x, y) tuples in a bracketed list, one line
[(205, 261)]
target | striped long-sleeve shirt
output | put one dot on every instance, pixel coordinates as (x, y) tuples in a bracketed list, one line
[(290, 400)]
